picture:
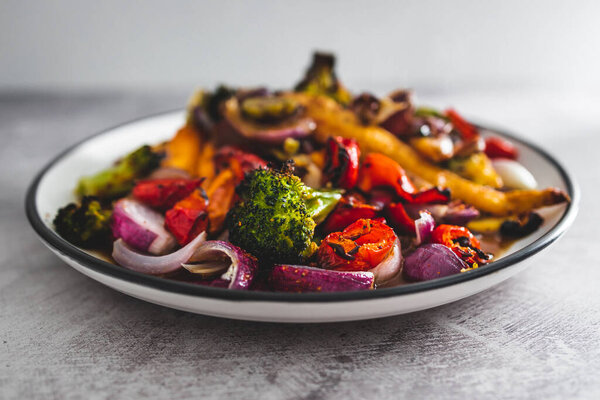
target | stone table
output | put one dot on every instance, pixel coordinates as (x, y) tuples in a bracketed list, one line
[(65, 336)]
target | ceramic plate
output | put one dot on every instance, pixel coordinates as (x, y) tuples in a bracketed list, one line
[(53, 188)]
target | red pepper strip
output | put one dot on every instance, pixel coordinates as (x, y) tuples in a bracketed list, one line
[(350, 208), (496, 147), (431, 196), (341, 162), (399, 218), (162, 194), (466, 129), (188, 218), (240, 161), (359, 247), (460, 240), (380, 171)]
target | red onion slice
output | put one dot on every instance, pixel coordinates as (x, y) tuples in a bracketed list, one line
[(141, 227), (302, 279), (432, 261), (128, 258), (300, 127), (387, 273), (215, 257), (424, 226)]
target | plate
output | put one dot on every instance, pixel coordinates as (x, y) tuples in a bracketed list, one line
[(53, 188)]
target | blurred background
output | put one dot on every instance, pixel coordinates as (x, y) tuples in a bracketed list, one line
[(431, 45)]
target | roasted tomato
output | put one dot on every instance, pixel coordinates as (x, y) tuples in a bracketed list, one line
[(378, 170), (359, 247), (188, 217), (162, 194), (239, 161), (341, 162), (496, 147), (349, 209), (462, 242)]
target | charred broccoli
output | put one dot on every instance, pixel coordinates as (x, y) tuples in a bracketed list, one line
[(277, 214), (320, 79), (118, 179), (86, 225)]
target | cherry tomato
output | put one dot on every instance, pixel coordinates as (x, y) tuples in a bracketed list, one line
[(359, 247), (162, 194), (460, 240), (239, 161), (496, 147), (378, 170)]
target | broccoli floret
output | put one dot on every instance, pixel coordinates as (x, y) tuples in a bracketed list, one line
[(321, 79), (277, 214), (86, 225), (118, 179)]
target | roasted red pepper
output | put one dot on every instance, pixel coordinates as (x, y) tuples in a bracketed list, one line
[(496, 147), (378, 170), (188, 217), (431, 196), (468, 131), (349, 209), (359, 247), (398, 217), (162, 194), (341, 162), (462, 242), (239, 161)]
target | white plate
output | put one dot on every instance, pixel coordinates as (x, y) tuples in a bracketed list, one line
[(53, 188)]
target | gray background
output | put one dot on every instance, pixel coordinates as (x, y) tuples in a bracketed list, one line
[(68, 70), (424, 43)]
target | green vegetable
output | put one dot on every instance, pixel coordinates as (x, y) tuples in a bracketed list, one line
[(269, 109), (277, 214), (87, 224), (320, 79), (118, 179)]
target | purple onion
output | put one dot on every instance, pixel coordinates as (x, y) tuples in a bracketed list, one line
[(234, 265), (301, 279), (424, 225), (431, 261), (128, 258), (141, 227), (274, 134)]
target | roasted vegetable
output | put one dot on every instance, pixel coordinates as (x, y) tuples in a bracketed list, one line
[(269, 109), (320, 79), (341, 162), (362, 246), (118, 180), (366, 108), (277, 214), (141, 227), (183, 150), (303, 279), (332, 120), (219, 258), (350, 209), (378, 170), (431, 261), (396, 113), (295, 126), (239, 161), (162, 194), (514, 175), (86, 224), (188, 217), (477, 168), (496, 147), (522, 226), (461, 241)]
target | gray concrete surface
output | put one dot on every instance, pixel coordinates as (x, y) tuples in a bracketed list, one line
[(64, 336)]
